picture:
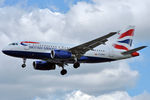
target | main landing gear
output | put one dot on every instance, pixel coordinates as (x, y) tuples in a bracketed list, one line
[(64, 71), (24, 63), (76, 65)]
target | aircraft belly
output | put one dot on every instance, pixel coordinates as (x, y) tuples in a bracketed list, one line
[(28, 54), (89, 59), (46, 56)]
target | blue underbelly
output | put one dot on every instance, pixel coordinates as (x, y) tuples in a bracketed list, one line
[(38, 55), (26, 54)]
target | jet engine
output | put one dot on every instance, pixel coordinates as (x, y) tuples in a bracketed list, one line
[(43, 65), (61, 54)]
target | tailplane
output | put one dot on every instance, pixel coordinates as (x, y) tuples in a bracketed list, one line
[(134, 52)]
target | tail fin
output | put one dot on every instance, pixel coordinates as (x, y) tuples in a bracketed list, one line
[(125, 38)]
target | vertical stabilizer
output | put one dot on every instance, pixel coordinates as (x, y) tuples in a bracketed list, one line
[(125, 39)]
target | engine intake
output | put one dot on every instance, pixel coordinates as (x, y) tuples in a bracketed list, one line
[(43, 65), (61, 54)]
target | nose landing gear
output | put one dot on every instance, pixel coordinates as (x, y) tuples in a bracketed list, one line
[(24, 63)]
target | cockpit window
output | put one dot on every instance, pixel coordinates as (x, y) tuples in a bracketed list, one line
[(13, 44)]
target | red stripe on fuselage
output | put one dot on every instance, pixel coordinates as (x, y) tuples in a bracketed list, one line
[(30, 42), (120, 47), (128, 33)]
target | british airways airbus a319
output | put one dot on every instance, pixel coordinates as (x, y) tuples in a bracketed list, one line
[(95, 51)]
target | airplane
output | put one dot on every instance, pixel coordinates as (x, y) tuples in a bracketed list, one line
[(51, 55)]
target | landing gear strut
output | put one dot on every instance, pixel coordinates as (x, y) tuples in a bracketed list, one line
[(24, 63)]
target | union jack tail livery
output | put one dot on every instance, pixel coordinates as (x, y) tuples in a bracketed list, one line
[(124, 40)]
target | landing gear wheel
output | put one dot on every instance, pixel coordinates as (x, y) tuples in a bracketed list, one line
[(76, 65), (63, 72), (23, 65)]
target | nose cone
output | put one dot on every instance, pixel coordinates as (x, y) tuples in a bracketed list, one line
[(4, 51), (8, 52)]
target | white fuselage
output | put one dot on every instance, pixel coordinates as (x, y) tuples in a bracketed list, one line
[(42, 50)]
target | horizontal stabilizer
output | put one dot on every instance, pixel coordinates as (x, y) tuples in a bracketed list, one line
[(133, 50)]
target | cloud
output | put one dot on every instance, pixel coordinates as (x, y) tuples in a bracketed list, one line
[(99, 82), (136, 15), (118, 95), (83, 18), (112, 96), (145, 96), (84, 21)]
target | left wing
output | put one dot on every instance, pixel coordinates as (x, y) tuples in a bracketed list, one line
[(79, 50)]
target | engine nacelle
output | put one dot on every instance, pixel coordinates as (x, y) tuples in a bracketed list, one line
[(61, 54), (43, 65)]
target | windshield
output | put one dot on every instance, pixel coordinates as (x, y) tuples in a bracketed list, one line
[(13, 44)]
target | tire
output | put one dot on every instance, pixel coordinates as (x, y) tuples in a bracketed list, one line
[(76, 65), (63, 72), (23, 65)]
